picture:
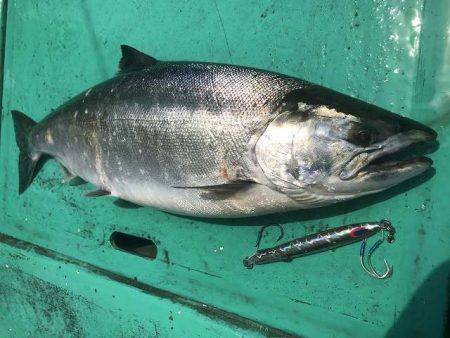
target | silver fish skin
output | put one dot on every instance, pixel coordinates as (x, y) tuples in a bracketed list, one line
[(214, 140)]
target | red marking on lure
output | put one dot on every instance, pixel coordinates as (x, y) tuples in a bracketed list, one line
[(358, 232)]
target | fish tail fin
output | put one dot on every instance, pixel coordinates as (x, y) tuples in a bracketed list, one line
[(28, 162)]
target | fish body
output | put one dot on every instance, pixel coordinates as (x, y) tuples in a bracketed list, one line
[(205, 139)]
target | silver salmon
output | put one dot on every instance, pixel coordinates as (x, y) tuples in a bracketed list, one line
[(216, 140)]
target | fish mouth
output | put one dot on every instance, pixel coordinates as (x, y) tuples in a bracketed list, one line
[(399, 155)]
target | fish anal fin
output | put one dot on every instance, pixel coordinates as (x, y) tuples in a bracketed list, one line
[(76, 181), (97, 193), (132, 59)]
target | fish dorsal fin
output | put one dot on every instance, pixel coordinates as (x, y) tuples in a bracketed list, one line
[(132, 59)]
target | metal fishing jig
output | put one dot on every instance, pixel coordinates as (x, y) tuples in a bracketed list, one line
[(326, 240)]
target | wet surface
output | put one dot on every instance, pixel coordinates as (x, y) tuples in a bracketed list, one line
[(58, 50)]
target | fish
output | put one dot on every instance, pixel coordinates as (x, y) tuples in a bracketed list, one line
[(222, 141)]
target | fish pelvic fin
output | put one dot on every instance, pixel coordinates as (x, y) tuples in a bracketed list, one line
[(28, 161)]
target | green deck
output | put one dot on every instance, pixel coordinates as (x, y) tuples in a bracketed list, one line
[(59, 274)]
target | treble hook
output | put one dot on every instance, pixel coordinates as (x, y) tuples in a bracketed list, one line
[(385, 226), (258, 239)]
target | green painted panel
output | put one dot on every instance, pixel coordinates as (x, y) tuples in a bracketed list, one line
[(51, 294), (395, 55)]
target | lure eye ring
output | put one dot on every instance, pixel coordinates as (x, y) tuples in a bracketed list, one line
[(386, 225), (247, 263), (358, 232)]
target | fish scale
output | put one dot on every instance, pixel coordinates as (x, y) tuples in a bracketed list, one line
[(190, 121)]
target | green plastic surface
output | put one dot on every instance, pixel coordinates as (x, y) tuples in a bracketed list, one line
[(59, 274)]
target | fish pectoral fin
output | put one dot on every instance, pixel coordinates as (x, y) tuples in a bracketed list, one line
[(132, 59), (126, 204), (233, 185), (220, 191), (97, 193)]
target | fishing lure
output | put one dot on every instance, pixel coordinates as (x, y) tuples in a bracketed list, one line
[(326, 240)]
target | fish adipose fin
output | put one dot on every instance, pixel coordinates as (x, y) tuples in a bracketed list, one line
[(97, 193), (70, 178), (132, 59), (28, 163)]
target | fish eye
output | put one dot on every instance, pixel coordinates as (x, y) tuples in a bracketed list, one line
[(361, 135)]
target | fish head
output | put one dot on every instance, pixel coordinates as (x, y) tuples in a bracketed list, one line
[(325, 152)]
